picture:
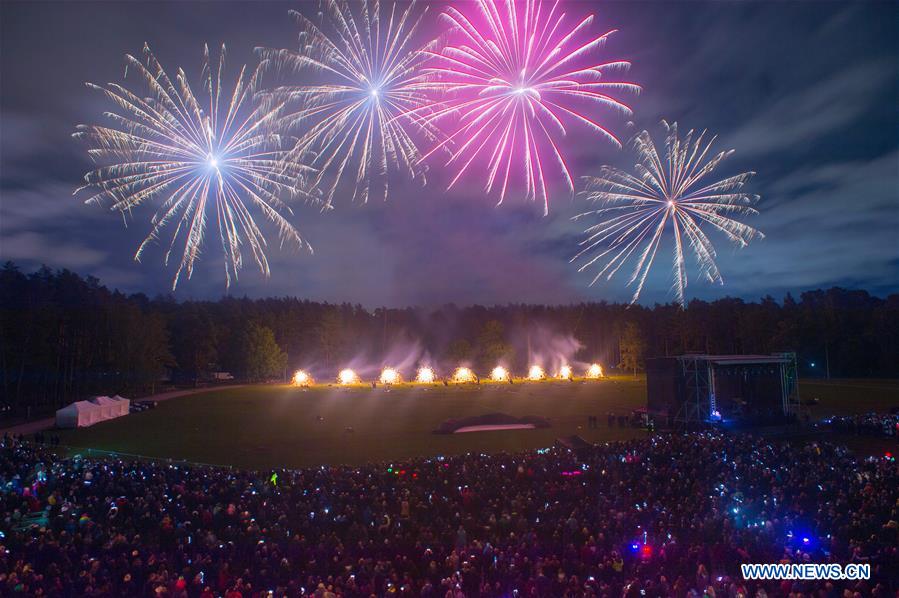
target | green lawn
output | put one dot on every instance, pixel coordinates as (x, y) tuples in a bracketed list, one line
[(844, 397), (277, 426)]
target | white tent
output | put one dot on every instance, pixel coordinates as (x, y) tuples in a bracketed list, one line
[(123, 404), (108, 408), (78, 415), (112, 407)]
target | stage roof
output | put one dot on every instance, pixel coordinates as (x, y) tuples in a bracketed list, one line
[(740, 359)]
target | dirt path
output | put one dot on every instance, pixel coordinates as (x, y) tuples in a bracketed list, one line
[(39, 425)]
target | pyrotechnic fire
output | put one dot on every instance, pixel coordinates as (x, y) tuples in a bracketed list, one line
[(536, 373), (669, 196), (197, 166), (347, 376), (499, 374), (463, 374), (301, 378), (425, 375), (514, 77), (366, 112), (390, 376), (565, 372), (594, 371)]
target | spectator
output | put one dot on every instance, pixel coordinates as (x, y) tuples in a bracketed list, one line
[(668, 515)]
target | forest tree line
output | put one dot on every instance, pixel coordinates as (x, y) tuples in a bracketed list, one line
[(65, 337)]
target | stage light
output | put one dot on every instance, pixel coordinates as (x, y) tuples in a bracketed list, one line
[(347, 376), (425, 375), (594, 371), (536, 373), (390, 376), (499, 374), (301, 378)]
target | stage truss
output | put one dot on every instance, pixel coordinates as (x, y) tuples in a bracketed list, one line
[(701, 408)]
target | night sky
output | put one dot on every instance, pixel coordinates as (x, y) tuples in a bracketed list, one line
[(806, 93)]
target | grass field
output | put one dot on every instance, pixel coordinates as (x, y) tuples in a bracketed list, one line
[(845, 397), (277, 426)]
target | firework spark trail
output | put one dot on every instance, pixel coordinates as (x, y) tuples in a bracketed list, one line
[(369, 104), (515, 85), (188, 152), (637, 210)]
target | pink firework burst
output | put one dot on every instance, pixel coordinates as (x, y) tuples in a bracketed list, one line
[(516, 76)]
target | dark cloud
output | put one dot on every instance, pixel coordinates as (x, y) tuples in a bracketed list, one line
[(796, 120), (833, 224), (27, 246), (805, 92)]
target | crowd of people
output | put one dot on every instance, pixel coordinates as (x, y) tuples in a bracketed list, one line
[(867, 424), (668, 515)]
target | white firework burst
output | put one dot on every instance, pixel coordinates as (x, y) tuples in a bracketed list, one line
[(665, 195), (370, 98), (195, 154)]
